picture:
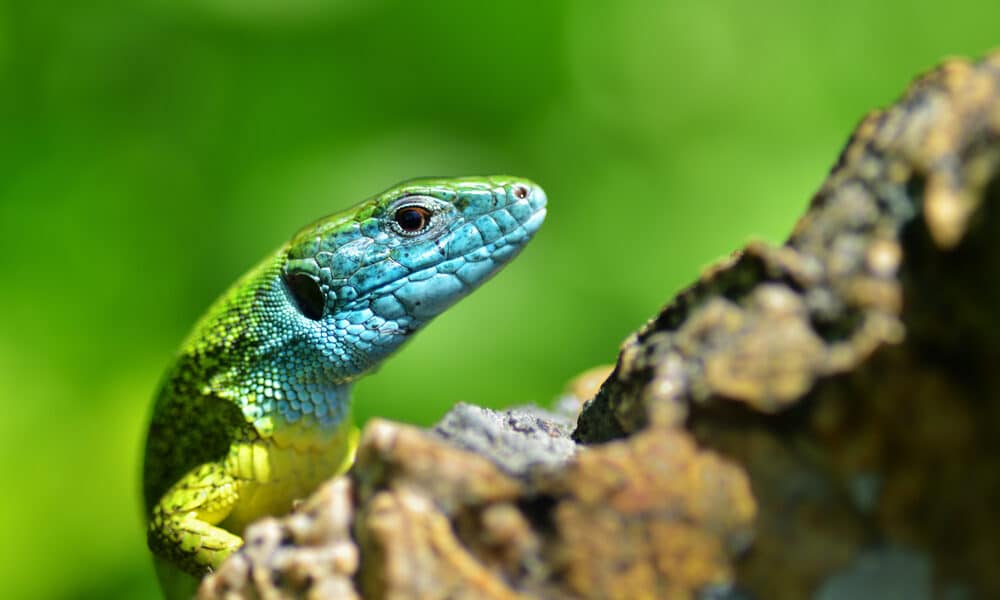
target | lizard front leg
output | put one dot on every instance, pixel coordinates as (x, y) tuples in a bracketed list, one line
[(183, 524)]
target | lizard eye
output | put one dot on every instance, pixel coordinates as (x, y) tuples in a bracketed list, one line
[(412, 219), (306, 293)]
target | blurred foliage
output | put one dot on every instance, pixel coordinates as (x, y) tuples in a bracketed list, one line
[(151, 151)]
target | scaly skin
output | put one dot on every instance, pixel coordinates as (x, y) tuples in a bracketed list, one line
[(255, 411)]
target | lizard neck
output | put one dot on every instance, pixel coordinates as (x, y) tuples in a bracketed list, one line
[(247, 350), (311, 416), (299, 407)]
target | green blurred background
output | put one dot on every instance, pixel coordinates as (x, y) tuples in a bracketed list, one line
[(152, 151)]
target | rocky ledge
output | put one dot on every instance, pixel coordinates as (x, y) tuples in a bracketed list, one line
[(819, 419)]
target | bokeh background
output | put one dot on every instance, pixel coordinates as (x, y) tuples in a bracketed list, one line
[(151, 151)]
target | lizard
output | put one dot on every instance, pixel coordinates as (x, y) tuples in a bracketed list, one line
[(255, 410)]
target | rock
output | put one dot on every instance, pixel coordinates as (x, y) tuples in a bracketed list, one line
[(851, 371), (308, 554), (516, 440), (818, 419)]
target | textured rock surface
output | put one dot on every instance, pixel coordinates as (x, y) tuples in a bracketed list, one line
[(434, 520), (517, 440), (852, 370), (308, 554), (814, 420)]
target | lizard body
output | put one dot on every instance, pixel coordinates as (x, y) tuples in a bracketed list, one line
[(255, 411)]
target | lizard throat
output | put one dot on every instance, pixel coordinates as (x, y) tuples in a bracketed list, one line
[(300, 411)]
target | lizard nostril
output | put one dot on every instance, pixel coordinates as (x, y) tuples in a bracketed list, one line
[(520, 192)]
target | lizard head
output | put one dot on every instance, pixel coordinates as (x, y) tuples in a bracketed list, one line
[(363, 280)]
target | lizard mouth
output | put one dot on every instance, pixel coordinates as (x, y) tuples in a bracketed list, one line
[(534, 222), (510, 230)]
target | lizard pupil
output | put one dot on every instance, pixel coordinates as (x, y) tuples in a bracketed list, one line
[(412, 219), (307, 294)]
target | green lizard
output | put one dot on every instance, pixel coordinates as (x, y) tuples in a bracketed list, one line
[(255, 411)]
